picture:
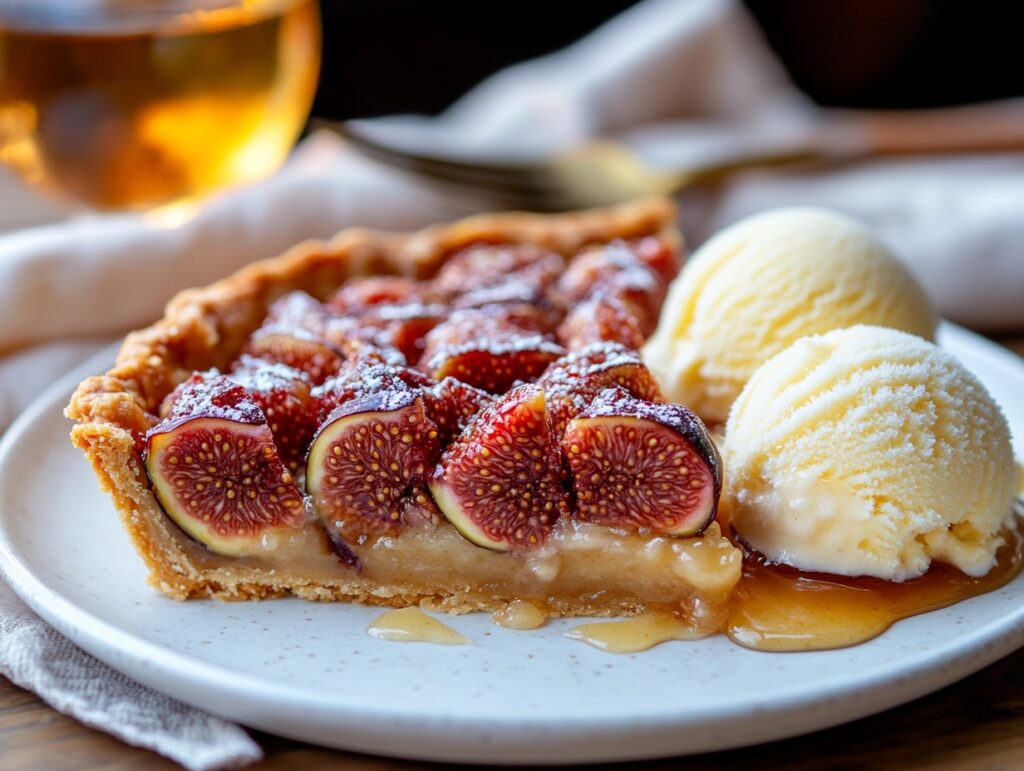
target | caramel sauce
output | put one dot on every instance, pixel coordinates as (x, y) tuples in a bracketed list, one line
[(413, 625), (777, 608), (634, 634)]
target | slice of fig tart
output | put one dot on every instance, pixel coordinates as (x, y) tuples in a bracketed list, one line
[(456, 417)]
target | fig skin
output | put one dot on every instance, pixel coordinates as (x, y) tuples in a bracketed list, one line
[(504, 275), (490, 348), (362, 377), (367, 457), (283, 393), (527, 271), (298, 348), (404, 327), (216, 471), (298, 310), (500, 482), (574, 381), (399, 329), (359, 295), (642, 466), (601, 317), (615, 270), (664, 259), (452, 404), (295, 333)]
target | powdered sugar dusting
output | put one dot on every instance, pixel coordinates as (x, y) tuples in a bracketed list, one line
[(211, 395)]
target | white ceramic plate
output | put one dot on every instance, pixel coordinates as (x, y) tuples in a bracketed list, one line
[(310, 671)]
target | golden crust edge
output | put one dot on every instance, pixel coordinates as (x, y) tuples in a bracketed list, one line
[(206, 327)]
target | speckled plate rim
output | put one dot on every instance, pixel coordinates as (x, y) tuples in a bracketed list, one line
[(401, 732)]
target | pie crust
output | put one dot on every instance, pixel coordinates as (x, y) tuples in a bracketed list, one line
[(208, 327)]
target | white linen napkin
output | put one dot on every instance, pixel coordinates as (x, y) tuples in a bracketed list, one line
[(35, 657), (678, 80)]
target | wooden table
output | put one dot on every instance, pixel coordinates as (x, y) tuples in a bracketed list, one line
[(975, 724)]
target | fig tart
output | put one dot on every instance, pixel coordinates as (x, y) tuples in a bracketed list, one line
[(456, 417)]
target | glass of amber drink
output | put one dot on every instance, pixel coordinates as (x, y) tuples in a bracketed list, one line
[(121, 104)]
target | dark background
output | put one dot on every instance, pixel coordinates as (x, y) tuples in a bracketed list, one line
[(386, 56)]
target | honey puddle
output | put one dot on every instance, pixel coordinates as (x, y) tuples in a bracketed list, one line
[(781, 609), (413, 625), (634, 634)]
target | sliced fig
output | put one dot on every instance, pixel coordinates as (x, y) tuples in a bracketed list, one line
[(500, 482), (490, 348), (283, 393), (389, 311), (504, 275), (216, 471), (575, 380), (419, 508), (342, 549), (614, 269), (483, 267), (404, 327), (296, 347), (367, 349), (361, 377), (298, 309), (451, 404), (642, 466), (366, 458), (358, 295), (601, 317), (663, 258)]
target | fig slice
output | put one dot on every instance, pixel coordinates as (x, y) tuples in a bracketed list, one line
[(490, 348), (419, 508), (296, 347), (216, 471), (358, 295), (368, 455), (388, 311), (283, 393), (615, 269), (601, 317), (657, 254), (642, 466), (403, 327), (521, 271), (359, 377), (575, 380), (298, 309), (451, 404), (295, 333), (500, 482)]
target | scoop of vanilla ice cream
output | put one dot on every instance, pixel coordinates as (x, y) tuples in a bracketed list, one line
[(762, 283), (868, 451)]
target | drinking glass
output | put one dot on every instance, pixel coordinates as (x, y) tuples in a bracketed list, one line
[(120, 104)]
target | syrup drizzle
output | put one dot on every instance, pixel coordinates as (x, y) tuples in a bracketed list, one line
[(634, 634), (781, 609), (775, 608), (413, 625)]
